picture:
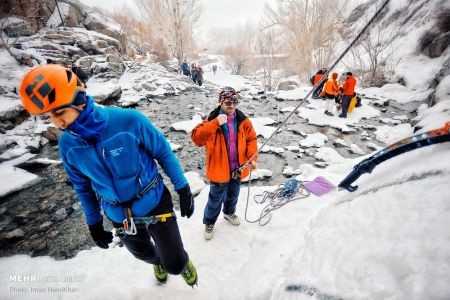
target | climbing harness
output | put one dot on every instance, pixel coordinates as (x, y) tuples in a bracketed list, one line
[(440, 135), (151, 185), (284, 194), (269, 208), (130, 222)]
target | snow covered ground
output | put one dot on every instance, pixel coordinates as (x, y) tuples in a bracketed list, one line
[(388, 240)]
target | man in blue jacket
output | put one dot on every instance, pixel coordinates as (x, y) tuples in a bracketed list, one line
[(109, 155), (185, 68)]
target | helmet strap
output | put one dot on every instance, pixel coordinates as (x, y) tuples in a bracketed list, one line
[(76, 108)]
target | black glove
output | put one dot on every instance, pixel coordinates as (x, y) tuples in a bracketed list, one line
[(186, 201), (101, 237)]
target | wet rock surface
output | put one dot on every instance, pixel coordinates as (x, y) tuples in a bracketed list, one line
[(47, 219)]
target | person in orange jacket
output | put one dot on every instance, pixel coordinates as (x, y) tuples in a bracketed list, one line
[(330, 92), (315, 80), (230, 141), (347, 90)]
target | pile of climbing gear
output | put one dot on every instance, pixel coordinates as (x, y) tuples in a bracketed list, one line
[(285, 193)]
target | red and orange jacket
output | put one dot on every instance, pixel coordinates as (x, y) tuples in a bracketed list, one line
[(349, 86), (331, 87), (317, 78), (209, 134)]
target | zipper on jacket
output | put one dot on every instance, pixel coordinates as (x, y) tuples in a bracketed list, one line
[(105, 165)]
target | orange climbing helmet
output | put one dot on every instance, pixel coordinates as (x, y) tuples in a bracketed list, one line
[(49, 87)]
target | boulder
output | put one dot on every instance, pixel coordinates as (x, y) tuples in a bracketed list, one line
[(59, 215), (437, 46), (15, 234), (14, 27), (52, 134), (70, 15), (286, 85), (85, 62), (104, 90), (99, 23), (113, 58)]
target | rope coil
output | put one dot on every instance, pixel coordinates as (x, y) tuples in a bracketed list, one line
[(282, 195)]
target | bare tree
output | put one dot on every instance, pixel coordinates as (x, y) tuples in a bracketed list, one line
[(236, 57), (371, 58), (138, 32), (237, 44), (309, 30), (175, 21), (265, 54)]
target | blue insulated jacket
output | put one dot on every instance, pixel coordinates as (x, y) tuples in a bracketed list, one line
[(109, 155)]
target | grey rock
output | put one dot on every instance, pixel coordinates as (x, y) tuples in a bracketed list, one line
[(2, 90), (85, 62), (15, 27), (52, 134), (15, 234), (437, 46), (46, 225), (59, 215), (320, 164), (107, 26), (287, 85)]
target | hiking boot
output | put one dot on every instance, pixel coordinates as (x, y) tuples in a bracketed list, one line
[(209, 231), (189, 274), (160, 273), (329, 113), (233, 219)]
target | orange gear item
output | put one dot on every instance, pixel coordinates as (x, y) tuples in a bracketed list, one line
[(49, 87), (443, 130)]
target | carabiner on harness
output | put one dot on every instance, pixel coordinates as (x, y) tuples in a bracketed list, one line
[(129, 227)]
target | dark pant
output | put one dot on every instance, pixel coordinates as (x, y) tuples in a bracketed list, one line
[(167, 248), (345, 103), (318, 90), (226, 193)]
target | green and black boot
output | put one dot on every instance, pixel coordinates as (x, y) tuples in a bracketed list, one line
[(189, 274), (160, 274)]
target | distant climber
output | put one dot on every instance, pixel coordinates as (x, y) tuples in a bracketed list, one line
[(314, 81), (330, 92), (185, 69), (347, 91)]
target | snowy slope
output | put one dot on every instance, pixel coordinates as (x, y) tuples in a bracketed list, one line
[(390, 239)]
